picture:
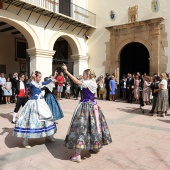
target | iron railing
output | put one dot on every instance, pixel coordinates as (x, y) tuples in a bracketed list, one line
[(74, 11)]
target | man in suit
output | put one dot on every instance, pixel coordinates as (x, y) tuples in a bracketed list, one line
[(130, 87), (21, 97), (14, 85), (106, 82)]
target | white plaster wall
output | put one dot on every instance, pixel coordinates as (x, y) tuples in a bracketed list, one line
[(7, 53), (97, 41)]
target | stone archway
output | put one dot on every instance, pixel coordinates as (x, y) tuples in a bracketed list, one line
[(78, 55), (17, 22), (13, 64), (151, 33), (70, 38)]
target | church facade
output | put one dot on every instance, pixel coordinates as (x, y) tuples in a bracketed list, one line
[(131, 36)]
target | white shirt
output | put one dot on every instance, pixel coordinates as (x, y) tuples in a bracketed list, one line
[(2, 81), (164, 83), (22, 86)]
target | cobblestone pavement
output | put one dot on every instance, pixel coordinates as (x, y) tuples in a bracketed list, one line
[(139, 142)]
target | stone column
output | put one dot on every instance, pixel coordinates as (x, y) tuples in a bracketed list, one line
[(155, 54), (41, 60), (80, 64)]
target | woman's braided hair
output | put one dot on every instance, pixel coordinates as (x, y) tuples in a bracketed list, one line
[(90, 72), (36, 73)]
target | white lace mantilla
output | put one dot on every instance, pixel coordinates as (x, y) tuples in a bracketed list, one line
[(90, 84)]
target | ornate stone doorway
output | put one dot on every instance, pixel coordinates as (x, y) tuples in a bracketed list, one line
[(134, 57), (151, 33)]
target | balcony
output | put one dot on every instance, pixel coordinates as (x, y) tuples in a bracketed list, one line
[(66, 12)]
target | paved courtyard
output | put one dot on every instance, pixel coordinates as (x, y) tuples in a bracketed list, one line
[(140, 142)]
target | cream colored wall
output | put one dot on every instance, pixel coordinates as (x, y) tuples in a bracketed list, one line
[(7, 53), (99, 38)]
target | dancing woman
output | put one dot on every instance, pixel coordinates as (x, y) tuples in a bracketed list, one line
[(88, 129), (52, 101), (35, 120)]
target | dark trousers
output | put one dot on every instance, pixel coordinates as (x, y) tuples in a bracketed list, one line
[(108, 93), (169, 97), (77, 92), (154, 103), (0, 92), (97, 92), (20, 102), (129, 95), (13, 94)]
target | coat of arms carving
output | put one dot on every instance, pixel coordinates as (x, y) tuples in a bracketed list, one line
[(133, 14), (155, 5)]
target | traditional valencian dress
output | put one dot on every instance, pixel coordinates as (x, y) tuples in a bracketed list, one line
[(35, 120), (88, 129), (52, 102)]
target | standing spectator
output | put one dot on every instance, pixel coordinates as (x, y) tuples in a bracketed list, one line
[(123, 86), (136, 89), (146, 90), (14, 86), (140, 80), (79, 87), (60, 80), (2, 82), (101, 87), (162, 105), (113, 87), (154, 86), (130, 87), (169, 88), (151, 96), (106, 82), (8, 90)]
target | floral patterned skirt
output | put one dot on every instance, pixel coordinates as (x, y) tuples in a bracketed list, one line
[(162, 104), (88, 129)]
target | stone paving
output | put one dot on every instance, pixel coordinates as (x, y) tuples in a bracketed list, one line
[(140, 142)]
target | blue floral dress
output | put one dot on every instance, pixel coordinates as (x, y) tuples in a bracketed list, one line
[(35, 120)]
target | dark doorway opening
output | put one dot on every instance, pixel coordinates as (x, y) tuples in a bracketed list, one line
[(134, 58), (62, 55)]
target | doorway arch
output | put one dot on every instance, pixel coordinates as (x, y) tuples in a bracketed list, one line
[(17, 22), (70, 38), (134, 57), (74, 47)]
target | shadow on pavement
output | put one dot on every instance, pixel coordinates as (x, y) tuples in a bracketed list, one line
[(166, 121), (139, 111), (59, 151), (7, 116), (10, 140)]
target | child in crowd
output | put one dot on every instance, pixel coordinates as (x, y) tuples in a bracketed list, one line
[(68, 90)]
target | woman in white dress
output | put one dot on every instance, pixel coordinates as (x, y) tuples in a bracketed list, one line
[(7, 90), (146, 90)]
